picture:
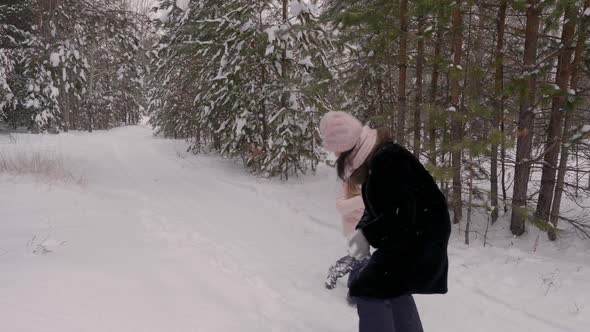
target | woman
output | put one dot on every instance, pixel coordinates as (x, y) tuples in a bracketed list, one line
[(406, 220)]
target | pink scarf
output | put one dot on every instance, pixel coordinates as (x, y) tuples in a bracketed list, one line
[(361, 151)]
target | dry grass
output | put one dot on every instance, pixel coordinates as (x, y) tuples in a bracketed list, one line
[(39, 164)]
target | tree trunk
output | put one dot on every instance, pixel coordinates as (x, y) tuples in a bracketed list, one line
[(503, 162), (469, 202), (445, 142), (579, 175), (433, 92), (456, 117), (418, 106), (554, 132), (499, 105), (559, 185), (284, 62), (402, 63), (91, 74), (525, 122)]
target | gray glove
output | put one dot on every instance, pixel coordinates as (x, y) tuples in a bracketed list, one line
[(342, 267), (358, 246)]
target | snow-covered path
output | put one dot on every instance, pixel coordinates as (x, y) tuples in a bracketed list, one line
[(156, 239)]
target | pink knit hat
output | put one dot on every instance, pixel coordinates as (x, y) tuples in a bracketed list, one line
[(342, 132)]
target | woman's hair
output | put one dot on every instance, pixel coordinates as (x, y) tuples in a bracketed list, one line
[(360, 174)]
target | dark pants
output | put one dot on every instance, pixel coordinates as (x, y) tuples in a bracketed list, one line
[(394, 315)]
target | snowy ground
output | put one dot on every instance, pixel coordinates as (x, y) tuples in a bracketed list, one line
[(145, 237)]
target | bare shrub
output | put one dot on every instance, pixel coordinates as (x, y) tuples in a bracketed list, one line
[(40, 164)]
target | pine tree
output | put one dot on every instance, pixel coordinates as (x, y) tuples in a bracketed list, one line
[(52, 52), (294, 143), (255, 85), (32, 100), (583, 24), (554, 131), (9, 43)]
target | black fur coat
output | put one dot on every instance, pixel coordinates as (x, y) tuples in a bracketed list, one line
[(407, 220)]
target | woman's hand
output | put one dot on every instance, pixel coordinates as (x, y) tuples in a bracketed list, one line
[(358, 246)]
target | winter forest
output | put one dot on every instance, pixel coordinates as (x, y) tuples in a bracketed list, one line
[(166, 112)]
